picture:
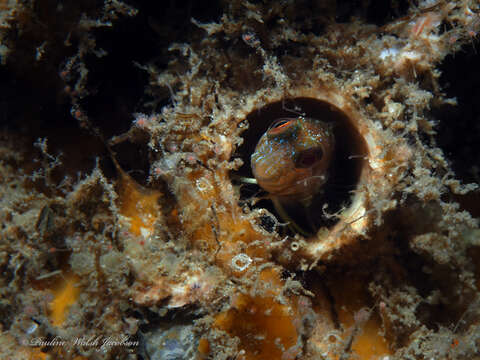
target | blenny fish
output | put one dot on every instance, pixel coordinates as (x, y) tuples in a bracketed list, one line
[(291, 161)]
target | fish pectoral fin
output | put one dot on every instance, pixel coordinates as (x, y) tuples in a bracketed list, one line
[(285, 217), (244, 179)]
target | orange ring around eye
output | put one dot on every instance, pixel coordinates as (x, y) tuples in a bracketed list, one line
[(281, 125)]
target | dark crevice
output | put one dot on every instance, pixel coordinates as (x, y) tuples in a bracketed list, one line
[(458, 132), (378, 12)]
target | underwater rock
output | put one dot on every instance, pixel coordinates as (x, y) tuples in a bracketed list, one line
[(134, 198)]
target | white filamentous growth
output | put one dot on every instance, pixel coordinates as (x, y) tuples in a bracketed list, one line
[(241, 262)]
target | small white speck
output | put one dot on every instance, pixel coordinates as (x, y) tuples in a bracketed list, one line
[(391, 52), (32, 329)]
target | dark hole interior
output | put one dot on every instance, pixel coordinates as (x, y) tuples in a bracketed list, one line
[(343, 175), (458, 132)]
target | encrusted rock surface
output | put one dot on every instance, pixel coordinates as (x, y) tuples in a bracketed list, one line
[(127, 209)]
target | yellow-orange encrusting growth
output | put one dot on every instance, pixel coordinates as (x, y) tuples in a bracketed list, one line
[(368, 342), (138, 205), (66, 293), (266, 328), (224, 228)]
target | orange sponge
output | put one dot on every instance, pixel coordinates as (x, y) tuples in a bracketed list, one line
[(65, 295)]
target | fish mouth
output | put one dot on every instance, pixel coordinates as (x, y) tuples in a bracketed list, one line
[(277, 184)]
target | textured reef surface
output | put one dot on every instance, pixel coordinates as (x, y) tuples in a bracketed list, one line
[(245, 180)]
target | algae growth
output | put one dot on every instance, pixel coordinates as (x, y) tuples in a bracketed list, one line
[(131, 223)]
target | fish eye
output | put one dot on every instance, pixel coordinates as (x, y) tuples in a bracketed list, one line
[(308, 158), (280, 126)]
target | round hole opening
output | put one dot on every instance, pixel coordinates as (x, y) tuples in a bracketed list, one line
[(343, 174)]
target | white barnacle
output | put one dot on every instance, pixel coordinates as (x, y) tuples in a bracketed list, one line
[(203, 185), (294, 246), (241, 262)]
